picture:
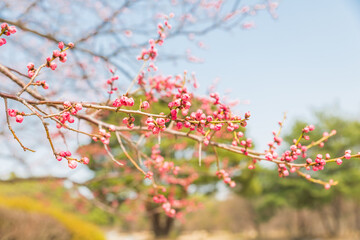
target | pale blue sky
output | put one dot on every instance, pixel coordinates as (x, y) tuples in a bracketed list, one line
[(307, 59)]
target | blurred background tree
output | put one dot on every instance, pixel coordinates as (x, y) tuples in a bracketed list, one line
[(124, 190), (278, 193)]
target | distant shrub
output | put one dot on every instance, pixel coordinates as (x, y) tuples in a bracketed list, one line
[(78, 229), (18, 225)]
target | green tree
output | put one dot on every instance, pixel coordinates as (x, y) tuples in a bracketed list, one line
[(278, 192)]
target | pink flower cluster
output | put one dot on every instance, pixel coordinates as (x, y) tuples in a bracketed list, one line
[(168, 210), (49, 60), (184, 181), (63, 154), (216, 97), (236, 139), (145, 105), (69, 110), (152, 66), (252, 164), (129, 121), (42, 83), (151, 53), (31, 70), (110, 82), (328, 185), (306, 130), (347, 154), (181, 102), (158, 163), (123, 101), (2, 41), (7, 30), (140, 78), (19, 116), (72, 163), (157, 125), (222, 174), (58, 54), (276, 141), (105, 137), (283, 172), (294, 153), (149, 175), (223, 113), (246, 143), (319, 162), (159, 84), (159, 198)]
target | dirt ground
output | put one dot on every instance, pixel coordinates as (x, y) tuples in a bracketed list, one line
[(204, 235)]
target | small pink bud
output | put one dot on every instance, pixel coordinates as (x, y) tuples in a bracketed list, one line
[(179, 125), (19, 118), (145, 105), (53, 66), (56, 53), (71, 119), (61, 45), (149, 175), (72, 164), (67, 104), (85, 160), (12, 112), (251, 167), (2, 41), (30, 66), (78, 106), (4, 25)]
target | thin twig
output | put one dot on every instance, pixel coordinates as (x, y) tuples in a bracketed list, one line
[(11, 130), (112, 156), (126, 153)]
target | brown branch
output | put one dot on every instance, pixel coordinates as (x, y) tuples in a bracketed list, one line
[(112, 156), (126, 153), (4, 70), (11, 130)]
